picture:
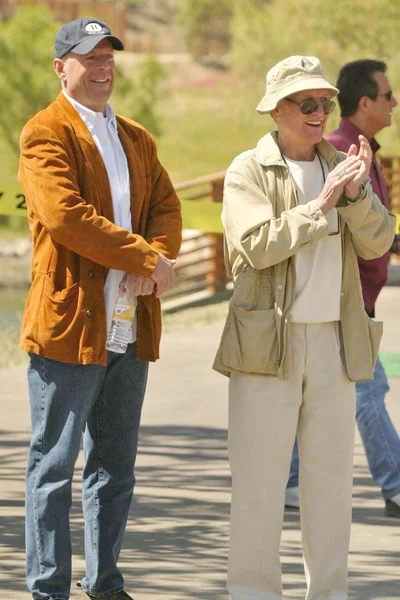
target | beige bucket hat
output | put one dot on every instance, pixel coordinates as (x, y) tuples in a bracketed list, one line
[(291, 75)]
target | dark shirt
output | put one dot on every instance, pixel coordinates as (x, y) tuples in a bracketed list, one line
[(373, 272)]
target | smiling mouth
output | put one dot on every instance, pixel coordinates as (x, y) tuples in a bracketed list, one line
[(100, 80), (314, 123)]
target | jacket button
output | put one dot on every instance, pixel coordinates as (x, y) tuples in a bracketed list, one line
[(88, 313), (342, 293), (280, 286), (90, 273), (316, 217)]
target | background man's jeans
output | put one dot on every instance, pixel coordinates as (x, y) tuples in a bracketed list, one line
[(380, 439), (105, 403)]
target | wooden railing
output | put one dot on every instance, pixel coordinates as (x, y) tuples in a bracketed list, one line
[(391, 171), (200, 264)]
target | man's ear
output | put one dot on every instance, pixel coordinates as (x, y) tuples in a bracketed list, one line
[(58, 65), (275, 114), (364, 102)]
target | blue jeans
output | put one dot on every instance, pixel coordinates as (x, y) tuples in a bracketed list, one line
[(380, 438), (105, 404), (294, 467)]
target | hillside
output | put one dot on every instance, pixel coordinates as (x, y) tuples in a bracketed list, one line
[(153, 27)]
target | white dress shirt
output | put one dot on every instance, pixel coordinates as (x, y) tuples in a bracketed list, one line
[(104, 132)]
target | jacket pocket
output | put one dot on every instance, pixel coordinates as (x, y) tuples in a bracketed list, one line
[(249, 341), (375, 330), (60, 296), (60, 308)]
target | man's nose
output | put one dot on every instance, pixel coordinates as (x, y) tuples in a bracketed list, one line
[(319, 108), (101, 61)]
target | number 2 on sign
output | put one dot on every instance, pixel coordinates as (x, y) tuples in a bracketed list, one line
[(22, 201)]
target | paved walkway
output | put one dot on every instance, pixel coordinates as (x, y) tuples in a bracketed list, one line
[(176, 542)]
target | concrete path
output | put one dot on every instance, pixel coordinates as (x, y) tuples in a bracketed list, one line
[(176, 541)]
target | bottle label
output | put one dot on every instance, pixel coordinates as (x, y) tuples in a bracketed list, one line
[(123, 312)]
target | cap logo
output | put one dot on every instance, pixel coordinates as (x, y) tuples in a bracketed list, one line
[(93, 28), (306, 63)]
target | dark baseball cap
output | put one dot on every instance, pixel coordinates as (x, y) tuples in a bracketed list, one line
[(82, 35)]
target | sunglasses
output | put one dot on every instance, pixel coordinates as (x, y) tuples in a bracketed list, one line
[(388, 95), (310, 105)]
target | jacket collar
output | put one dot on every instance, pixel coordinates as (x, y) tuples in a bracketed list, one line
[(89, 117), (269, 154), (73, 116), (349, 130)]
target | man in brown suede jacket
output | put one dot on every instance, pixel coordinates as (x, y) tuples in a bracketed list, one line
[(100, 206)]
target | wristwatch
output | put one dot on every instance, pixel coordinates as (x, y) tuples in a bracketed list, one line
[(359, 195)]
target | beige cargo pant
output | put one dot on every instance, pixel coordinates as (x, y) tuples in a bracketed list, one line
[(265, 413)]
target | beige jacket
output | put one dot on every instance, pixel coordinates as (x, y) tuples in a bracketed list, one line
[(264, 228)]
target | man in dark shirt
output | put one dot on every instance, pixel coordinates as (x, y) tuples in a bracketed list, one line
[(366, 101)]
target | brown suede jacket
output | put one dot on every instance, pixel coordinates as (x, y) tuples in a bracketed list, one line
[(75, 240)]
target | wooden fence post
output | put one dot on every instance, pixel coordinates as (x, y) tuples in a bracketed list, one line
[(216, 281)]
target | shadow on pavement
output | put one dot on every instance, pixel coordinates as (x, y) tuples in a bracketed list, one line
[(176, 541)]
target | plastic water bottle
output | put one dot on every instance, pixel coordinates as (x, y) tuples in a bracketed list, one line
[(121, 323)]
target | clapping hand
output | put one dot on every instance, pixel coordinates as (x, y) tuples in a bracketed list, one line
[(352, 188), (336, 181), (347, 176)]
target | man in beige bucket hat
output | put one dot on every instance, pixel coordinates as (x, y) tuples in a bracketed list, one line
[(292, 75), (296, 214)]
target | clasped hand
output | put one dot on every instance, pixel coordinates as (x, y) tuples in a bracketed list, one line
[(347, 176), (162, 278), (135, 286)]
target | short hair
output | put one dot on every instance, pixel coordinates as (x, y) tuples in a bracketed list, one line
[(355, 81)]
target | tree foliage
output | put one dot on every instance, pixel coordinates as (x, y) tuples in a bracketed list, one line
[(29, 84), (205, 24), (265, 34), (140, 100), (262, 32), (27, 79)]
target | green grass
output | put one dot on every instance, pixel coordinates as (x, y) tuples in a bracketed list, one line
[(203, 215), (205, 128), (391, 363)]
